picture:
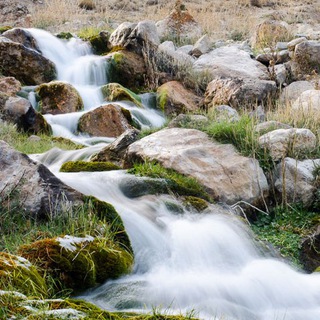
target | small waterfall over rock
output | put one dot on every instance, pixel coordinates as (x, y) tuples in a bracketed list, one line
[(87, 72), (184, 262)]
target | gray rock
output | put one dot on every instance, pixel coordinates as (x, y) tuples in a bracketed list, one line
[(31, 186), (294, 180), (268, 126), (226, 175), (292, 92), (308, 102), (226, 113), (26, 65), (281, 141), (187, 120)]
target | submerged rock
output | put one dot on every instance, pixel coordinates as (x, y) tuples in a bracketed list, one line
[(226, 175)]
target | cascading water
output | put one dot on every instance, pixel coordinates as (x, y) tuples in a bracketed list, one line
[(183, 262), (76, 65)]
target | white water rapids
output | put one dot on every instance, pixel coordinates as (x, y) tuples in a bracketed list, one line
[(207, 263)]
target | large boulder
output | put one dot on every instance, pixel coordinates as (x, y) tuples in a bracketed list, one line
[(231, 62), (106, 121), (58, 97), (31, 187), (269, 32), (295, 180), (179, 25), (281, 142), (173, 98), (127, 68), (22, 36), (226, 175), (25, 64), (19, 111), (136, 37), (308, 102), (306, 58), (239, 93), (292, 92)]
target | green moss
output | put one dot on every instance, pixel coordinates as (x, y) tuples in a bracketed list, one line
[(18, 274), (195, 203), (108, 213), (176, 182), (4, 29), (162, 99), (64, 35), (117, 92), (77, 166), (285, 228), (90, 261)]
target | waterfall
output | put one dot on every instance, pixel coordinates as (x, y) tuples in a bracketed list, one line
[(87, 72), (184, 262), (206, 262)]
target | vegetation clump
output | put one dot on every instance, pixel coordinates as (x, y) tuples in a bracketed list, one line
[(78, 166), (176, 183), (284, 228), (195, 203)]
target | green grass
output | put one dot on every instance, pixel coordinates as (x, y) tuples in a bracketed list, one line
[(285, 228), (177, 183), (23, 143)]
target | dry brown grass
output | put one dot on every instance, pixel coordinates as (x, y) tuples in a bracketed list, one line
[(221, 19)]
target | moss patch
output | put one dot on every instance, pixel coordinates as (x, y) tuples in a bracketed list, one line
[(195, 203), (79, 264), (117, 92), (19, 274), (176, 183), (77, 166)]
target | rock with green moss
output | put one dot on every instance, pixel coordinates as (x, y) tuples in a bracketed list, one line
[(4, 29), (77, 166), (78, 263), (19, 274), (106, 212), (58, 97), (195, 203), (100, 43), (173, 98), (116, 92), (64, 35), (127, 68)]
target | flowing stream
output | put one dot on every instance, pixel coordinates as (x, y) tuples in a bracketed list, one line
[(184, 262)]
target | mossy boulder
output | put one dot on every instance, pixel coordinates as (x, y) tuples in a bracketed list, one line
[(64, 35), (58, 97), (78, 263), (4, 29), (117, 92), (127, 68), (77, 166), (19, 274)]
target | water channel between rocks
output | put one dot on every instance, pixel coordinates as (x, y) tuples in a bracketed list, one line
[(206, 263)]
